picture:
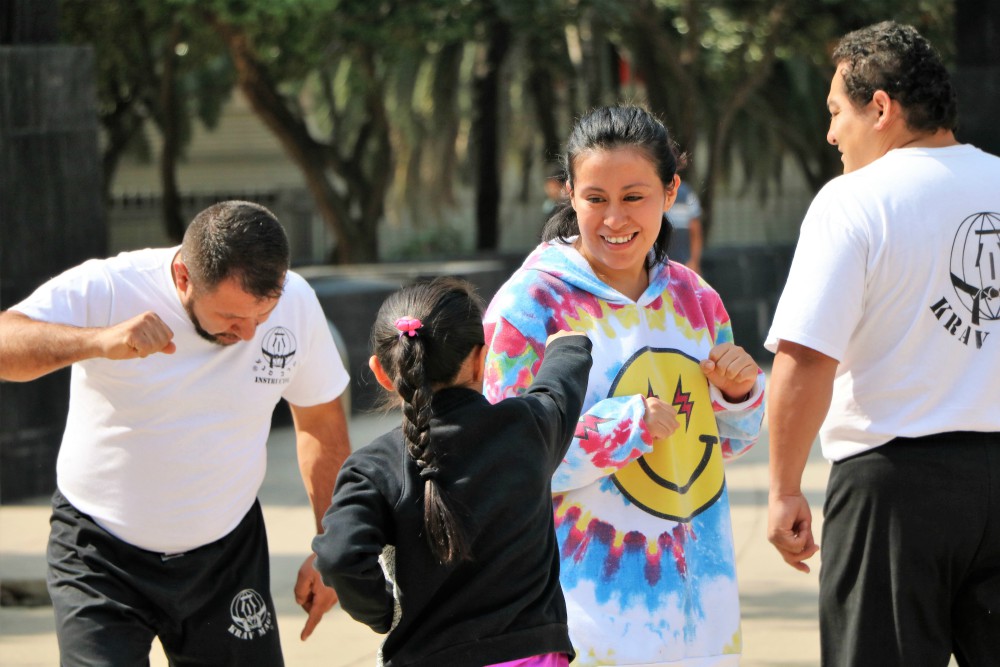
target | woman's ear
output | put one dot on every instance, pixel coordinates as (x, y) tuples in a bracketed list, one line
[(380, 374), (671, 195)]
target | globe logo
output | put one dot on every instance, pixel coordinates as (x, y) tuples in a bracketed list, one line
[(975, 266), (279, 347)]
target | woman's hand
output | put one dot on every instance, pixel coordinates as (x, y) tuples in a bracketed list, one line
[(732, 370)]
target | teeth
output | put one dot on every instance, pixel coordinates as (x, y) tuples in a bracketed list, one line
[(619, 239)]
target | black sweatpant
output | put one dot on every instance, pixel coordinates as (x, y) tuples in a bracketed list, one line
[(210, 606), (911, 554)]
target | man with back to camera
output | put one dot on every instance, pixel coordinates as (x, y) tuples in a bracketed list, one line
[(178, 357), (888, 346)]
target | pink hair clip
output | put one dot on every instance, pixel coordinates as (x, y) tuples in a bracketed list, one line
[(408, 325)]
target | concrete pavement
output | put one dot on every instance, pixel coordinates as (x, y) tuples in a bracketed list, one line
[(779, 604)]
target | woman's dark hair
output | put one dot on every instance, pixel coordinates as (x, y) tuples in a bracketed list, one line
[(451, 317), (609, 128), (897, 59), (237, 239)]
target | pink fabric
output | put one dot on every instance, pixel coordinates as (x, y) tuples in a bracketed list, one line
[(547, 660)]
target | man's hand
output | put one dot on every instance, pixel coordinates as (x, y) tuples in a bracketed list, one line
[(140, 336), (789, 529), (801, 387), (32, 348), (312, 595)]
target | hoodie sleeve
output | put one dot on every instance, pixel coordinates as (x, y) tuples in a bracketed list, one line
[(739, 423), (347, 551), (610, 433)]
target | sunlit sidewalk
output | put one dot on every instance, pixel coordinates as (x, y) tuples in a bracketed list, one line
[(779, 604)]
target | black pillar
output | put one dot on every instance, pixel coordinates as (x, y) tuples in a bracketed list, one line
[(51, 214), (977, 72)]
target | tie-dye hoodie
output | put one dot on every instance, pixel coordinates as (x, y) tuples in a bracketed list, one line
[(646, 548)]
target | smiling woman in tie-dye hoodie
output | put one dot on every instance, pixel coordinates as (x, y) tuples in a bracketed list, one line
[(641, 508)]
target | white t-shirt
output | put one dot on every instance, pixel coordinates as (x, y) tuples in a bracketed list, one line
[(897, 276), (168, 452), (686, 207)]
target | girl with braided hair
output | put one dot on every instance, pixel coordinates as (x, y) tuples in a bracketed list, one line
[(456, 502)]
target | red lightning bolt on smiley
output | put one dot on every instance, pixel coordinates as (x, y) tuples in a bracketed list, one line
[(682, 401)]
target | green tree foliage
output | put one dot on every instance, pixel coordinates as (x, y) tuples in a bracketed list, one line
[(392, 107), (746, 81), (153, 64), (342, 84)]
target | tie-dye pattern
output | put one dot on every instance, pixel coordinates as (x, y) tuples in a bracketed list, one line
[(640, 588)]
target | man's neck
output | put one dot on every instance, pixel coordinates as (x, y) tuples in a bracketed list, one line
[(936, 139)]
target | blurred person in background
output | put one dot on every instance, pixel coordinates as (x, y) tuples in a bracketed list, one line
[(685, 236)]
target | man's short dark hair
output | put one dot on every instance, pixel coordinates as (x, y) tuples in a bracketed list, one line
[(897, 59), (237, 239)]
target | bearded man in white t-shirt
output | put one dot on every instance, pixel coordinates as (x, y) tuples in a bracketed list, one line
[(887, 341), (179, 356)]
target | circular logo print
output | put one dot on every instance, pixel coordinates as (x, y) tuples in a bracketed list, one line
[(249, 611), (683, 475), (279, 347), (975, 265)]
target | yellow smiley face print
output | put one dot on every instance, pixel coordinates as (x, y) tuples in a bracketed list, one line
[(683, 475)]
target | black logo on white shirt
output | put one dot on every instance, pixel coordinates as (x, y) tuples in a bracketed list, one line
[(277, 348), (975, 277)]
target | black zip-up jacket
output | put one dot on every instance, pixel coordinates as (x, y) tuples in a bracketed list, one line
[(496, 463)]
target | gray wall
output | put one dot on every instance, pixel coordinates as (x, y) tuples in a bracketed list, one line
[(352, 295), (51, 218)]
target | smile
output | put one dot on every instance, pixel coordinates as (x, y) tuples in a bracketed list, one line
[(618, 240)]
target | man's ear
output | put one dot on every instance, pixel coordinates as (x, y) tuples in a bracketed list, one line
[(182, 279), (886, 107), (380, 374)]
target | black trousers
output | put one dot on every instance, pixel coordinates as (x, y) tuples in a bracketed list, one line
[(210, 607), (911, 554)]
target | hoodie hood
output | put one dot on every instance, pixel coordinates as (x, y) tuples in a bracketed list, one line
[(565, 262)]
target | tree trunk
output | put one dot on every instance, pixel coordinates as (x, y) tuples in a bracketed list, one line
[(731, 106), (173, 218), (659, 61), (356, 239), (120, 127), (447, 72), (541, 87), (486, 134)]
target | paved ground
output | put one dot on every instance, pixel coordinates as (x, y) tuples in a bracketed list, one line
[(779, 604)]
